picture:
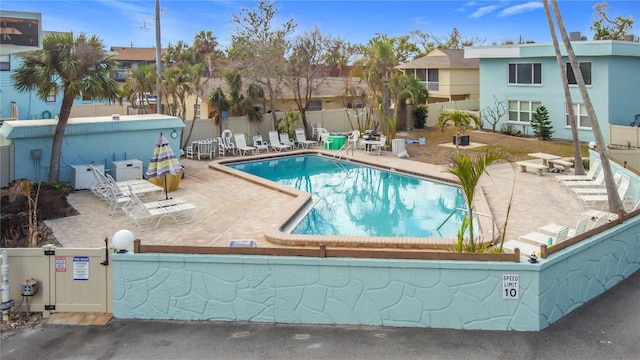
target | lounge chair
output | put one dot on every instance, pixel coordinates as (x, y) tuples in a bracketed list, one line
[(225, 145), (594, 214), (526, 249), (590, 175), (259, 144), (537, 238), (148, 216), (599, 181), (274, 142), (241, 145), (623, 188), (301, 138), (591, 190), (581, 226), (286, 140)]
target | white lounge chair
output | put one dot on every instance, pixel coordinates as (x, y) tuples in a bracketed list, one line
[(225, 145), (581, 226), (301, 138), (594, 214), (590, 175), (286, 140), (148, 217), (274, 142), (526, 249), (599, 181), (537, 238), (592, 190), (623, 188), (259, 144), (241, 145)]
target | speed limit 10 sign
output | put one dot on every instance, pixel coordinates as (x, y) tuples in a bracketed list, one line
[(510, 286)]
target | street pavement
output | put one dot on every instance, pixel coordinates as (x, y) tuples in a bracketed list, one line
[(607, 327)]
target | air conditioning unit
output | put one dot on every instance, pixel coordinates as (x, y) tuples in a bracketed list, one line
[(630, 37), (575, 36)]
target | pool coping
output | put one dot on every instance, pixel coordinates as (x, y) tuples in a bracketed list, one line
[(273, 231)]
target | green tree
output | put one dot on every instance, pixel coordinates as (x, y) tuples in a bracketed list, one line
[(404, 87), (542, 127), (420, 113), (259, 45), (610, 29), (140, 80), (204, 44), (74, 67), (468, 172), (218, 103), (460, 119), (614, 201)]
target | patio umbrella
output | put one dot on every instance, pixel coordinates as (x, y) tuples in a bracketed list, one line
[(164, 162)]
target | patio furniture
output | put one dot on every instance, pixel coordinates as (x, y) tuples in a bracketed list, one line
[(286, 140), (274, 142), (301, 138), (259, 144), (241, 145), (149, 218)]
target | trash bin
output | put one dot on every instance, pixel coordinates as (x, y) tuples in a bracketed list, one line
[(464, 140), (397, 146), (126, 170)]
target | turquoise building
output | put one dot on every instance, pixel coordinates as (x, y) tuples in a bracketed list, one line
[(25, 146), (527, 76)]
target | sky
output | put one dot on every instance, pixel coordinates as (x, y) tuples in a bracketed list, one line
[(132, 22)]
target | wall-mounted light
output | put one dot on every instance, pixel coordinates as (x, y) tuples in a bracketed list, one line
[(592, 145), (122, 240), (174, 134)]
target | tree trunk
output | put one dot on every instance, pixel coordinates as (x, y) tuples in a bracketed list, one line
[(615, 203), (56, 150), (577, 156)]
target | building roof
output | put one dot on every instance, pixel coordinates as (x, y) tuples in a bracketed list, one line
[(18, 129), (441, 59), (124, 53), (537, 50)]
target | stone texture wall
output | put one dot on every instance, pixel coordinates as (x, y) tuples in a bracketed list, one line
[(439, 294)]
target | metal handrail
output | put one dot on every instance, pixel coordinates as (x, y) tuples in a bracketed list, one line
[(478, 214)]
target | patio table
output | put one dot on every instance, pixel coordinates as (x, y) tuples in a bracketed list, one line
[(545, 157)]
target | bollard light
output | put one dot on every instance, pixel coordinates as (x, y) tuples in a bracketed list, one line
[(122, 240)]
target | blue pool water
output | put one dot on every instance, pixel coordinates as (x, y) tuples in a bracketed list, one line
[(352, 199)]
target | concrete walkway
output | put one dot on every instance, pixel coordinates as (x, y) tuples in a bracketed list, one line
[(231, 208)]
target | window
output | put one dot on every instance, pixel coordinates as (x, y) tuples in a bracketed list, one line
[(432, 80), (525, 73), (51, 97), (5, 63), (522, 111), (585, 69), (315, 105), (582, 119)]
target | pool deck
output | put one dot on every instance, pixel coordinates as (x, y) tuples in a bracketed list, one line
[(230, 207)]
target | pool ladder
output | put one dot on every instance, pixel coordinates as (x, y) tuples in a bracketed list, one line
[(494, 226), (344, 149)]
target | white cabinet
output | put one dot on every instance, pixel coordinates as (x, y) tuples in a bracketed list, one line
[(82, 177), (126, 170)]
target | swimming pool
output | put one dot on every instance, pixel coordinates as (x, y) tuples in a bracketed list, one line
[(358, 200)]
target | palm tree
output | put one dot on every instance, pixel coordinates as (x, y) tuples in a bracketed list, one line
[(401, 88), (205, 44), (461, 120), (577, 156), (615, 203), (74, 67), (196, 86), (140, 80), (468, 171), (218, 102)]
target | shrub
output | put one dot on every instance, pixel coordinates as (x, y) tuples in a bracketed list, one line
[(420, 113), (541, 124)]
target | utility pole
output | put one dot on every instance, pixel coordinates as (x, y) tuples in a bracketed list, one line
[(158, 60)]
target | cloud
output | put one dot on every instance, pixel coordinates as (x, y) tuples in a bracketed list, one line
[(484, 11), (517, 9)]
